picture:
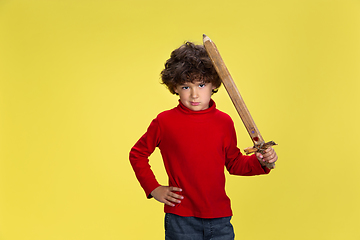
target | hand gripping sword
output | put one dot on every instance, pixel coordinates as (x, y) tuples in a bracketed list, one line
[(221, 69)]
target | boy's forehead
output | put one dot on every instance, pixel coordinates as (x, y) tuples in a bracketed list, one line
[(193, 82)]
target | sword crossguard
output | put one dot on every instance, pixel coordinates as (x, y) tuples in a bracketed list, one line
[(261, 148)]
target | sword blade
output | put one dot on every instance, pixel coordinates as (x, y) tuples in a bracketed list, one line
[(236, 98), (233, 91)]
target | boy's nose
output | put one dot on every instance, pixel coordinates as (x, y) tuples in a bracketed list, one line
[(194, 94)]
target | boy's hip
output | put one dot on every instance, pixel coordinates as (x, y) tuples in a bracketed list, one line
[(186, 228)]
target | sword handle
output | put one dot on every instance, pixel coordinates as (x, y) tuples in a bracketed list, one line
[(261, 148)]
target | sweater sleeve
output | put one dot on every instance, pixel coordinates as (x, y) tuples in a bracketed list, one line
[(139, 157), (239, 164)]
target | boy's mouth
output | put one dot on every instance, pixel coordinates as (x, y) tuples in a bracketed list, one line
[(194, 103)]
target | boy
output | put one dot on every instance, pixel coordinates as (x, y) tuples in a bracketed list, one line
[(196, 141)]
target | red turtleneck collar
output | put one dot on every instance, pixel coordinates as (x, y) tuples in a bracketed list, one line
[(184, 109)]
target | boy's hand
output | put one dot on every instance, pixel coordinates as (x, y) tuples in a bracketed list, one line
[(165, 194), (269, 156)]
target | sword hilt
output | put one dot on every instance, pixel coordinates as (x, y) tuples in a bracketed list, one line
[(261, 148)]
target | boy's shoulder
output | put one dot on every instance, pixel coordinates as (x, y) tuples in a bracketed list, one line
[(224, 117), (167, 113), (223, 114)]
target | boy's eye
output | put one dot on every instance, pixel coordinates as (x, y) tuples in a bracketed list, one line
[(202, 85), (185, 87)]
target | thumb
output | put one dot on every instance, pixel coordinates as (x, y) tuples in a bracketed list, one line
[(259, 156)]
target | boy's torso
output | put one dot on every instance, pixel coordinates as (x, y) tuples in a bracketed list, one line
[(193, 146)]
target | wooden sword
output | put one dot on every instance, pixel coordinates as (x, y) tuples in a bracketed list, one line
[(221, 69)]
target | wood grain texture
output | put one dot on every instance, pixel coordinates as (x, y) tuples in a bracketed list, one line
[(235, 96)]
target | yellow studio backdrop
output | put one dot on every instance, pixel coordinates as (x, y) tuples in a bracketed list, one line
[(79, 84)]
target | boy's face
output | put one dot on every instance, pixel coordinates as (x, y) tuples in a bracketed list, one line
[(195, 95)]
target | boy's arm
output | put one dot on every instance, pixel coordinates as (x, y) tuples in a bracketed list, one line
[(246, 166), (139, 158), (239, 164)]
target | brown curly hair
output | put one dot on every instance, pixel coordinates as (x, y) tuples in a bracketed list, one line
[(189, 63)]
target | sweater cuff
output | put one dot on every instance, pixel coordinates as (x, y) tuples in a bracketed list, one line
[(150, 188)]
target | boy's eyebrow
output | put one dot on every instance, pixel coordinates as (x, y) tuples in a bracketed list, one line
[(193, 82)]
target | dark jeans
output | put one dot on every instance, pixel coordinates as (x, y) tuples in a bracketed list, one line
[(193, 228)]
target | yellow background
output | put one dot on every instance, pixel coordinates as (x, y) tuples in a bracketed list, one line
[(79, 84)]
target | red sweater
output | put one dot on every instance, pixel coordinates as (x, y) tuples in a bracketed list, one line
[(195, 146)]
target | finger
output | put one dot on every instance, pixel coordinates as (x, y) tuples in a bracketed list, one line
[(272, 154), (175, 189), (168, 203), (269, 155), (173, 200), (259, 156), (174, 195), (268, 149), (272, 158)]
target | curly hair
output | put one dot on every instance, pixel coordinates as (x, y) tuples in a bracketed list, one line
[(189, 63)]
